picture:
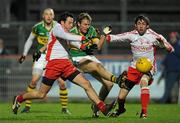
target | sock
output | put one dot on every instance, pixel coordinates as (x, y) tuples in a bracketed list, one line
[(101, 106), (121, 103), (103, 93), (29, 102), (145, 95), (113, 78), (20, 99), (63, 97)]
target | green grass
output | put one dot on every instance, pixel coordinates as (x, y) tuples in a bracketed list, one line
[(81, 113)]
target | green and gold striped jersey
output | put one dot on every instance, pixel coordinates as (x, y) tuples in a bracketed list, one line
[(41, 33), (74, 52)]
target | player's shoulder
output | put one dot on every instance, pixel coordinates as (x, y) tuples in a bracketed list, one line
[(133, 32), (57, 27), (91, 29), (152, 32), (37, 25), (54, 23)]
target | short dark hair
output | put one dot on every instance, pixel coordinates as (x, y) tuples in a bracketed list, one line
[(64, 16), (82, 16), (142, 17)]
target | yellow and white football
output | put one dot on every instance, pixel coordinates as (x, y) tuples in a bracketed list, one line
[(143, 65)]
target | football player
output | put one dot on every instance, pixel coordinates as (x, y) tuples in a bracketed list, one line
[(82, 55), (143, 41), (40, 32)]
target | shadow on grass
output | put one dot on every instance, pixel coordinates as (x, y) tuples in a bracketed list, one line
[(21, 118)]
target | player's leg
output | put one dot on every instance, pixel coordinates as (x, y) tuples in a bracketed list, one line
[(40, 94), (85, 84), (95, 68), (106, 86), (63, 96), (124, 91), (126, 85), (72, 74), (103, 93), (31, 87), (145, 95), (90, 66), (36, 74)]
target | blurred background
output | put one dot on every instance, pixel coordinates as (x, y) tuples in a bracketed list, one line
[(18, 16)]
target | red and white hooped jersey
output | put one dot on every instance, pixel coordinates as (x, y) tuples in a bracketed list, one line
[(54, 48), (141, 45)]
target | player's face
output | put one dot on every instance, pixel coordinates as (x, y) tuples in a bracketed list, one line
[(141, 26), (68, 24), (84, 26), (48, 16)]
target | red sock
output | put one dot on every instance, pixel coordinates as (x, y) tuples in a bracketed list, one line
[(20, 99), (145, 95), (101, 106)]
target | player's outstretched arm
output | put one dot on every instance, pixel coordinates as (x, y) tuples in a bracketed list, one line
[(27, 46), (165, 44), (60, 33)]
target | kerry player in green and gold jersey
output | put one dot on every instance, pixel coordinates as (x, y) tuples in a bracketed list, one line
[(40, 32), (83, 57)]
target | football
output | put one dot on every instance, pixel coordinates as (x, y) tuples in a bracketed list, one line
[(95, 40), (143, 65)]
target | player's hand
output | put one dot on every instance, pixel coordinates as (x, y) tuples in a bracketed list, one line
[(170, 49), (166, 45), (85, 38), (107, 30), (21, 59), (88, 47), (36, 55)]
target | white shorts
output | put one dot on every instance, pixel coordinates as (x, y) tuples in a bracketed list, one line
[(39, 65), (89, 57)]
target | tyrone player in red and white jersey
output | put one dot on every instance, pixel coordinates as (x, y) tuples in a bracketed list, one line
[(143, 41), (59, 65)]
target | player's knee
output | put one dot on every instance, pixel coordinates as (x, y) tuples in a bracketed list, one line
[(127, 85), (33, 84), (95, 67), (98, 66), (62, 86), (144, 81)]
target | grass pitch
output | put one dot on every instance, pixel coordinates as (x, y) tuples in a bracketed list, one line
[(81, 113)]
